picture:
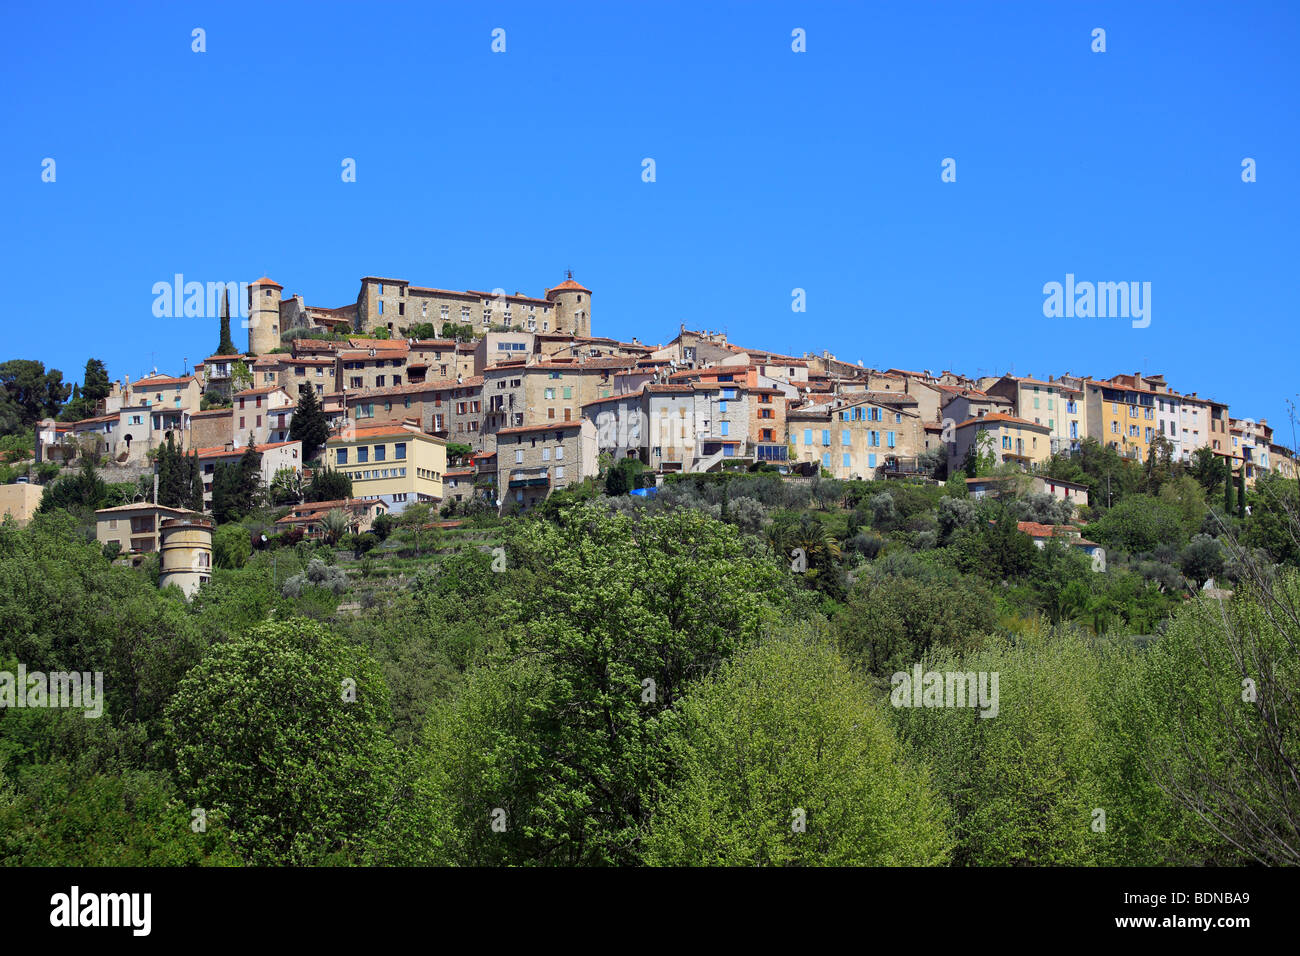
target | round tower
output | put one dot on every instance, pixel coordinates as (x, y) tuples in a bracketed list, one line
[(185, 553), (264, 315), (572, 307)]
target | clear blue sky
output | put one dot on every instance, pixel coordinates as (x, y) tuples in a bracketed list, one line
[(775, 170)]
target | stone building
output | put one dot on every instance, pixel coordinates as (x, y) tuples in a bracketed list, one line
[(534, 460), (394, 304)]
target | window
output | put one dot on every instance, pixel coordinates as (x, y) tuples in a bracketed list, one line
[(891, 439), (546, 454), (826, 437), (725, 428), (826, 459), (342, 456), (559, 471), (846, 459), (363, 455), (722, 406), (519, 456), (381, 452), (807, 436), (871, 461), (844, 438), (399, 450), (559, 453)]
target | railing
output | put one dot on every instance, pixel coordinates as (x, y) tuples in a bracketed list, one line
[(903, 466)]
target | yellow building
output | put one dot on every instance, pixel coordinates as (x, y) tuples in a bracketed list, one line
[(186, 553), (1027, 444), (394, 461), (1122, 418), (20, 500)]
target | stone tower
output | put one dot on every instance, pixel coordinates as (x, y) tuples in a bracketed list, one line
[(264, 315), (186, 558), (572, 307)]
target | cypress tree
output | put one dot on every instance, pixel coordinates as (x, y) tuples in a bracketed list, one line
[(309, 425), (196, 482), (227, 345), (95, 386), (1241, 492), (1227, 491)]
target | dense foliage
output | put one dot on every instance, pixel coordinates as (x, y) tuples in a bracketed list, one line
[(703, 676)]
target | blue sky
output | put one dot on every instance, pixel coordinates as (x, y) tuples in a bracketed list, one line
[(775, 171)]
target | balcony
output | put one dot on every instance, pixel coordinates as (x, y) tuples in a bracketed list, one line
[(897, 467), (529, 477)]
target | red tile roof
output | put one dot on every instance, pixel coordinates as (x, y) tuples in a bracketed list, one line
[(1000, 418), (568, 284), (549, 427)]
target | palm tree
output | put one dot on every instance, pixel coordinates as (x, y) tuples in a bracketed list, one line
[(335, 525), (816, 540), (780, 535)]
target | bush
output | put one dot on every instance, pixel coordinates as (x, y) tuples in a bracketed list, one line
[(1139, 525), (318, 574), (231, 546), (784, 760)]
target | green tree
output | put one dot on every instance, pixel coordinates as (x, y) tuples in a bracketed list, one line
[(611, 617), (783, 759), (329, 485), (310, 791), (1202, 559), (1140, 524), (83, 491), (1216, 726), (413, 521), (226, 345), (335, 525), (1274, 518), (231, 546), (28, 394), (889, 621), (287, 487), (308, 424), (64, 815), (1209, 469), (1023, 784)]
